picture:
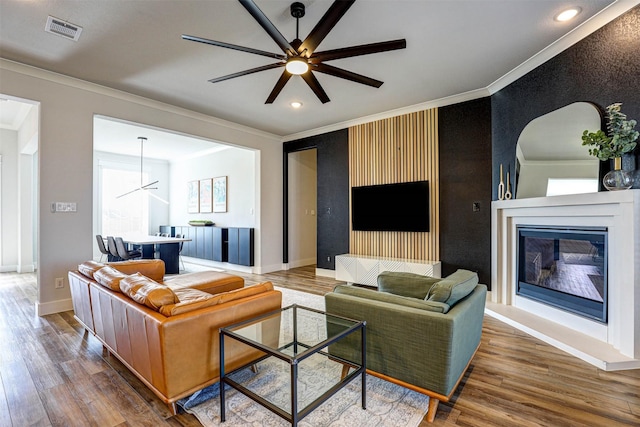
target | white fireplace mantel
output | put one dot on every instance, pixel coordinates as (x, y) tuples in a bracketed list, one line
[(611, 346)]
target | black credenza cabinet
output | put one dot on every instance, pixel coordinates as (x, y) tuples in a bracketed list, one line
[(241, 246), (233, 245)]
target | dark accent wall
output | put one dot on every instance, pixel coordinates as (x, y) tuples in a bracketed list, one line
[(603, 68), (465, 178), (333, 193)]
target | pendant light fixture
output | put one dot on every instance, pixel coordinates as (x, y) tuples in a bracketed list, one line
[(144, 186)]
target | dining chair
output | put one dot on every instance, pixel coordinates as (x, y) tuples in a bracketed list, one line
[(180, 236), (113, 251), (102, 247), (123, 252)]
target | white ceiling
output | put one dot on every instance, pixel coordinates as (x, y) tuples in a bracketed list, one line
[(114, 136), (13, 113), (453, 47)]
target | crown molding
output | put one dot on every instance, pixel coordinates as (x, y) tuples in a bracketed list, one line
[(76, 83), (441, 102)]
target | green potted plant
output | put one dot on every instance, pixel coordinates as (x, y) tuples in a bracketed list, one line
[(621, 140)]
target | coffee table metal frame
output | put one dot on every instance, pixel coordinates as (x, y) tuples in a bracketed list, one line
[(295, 416)]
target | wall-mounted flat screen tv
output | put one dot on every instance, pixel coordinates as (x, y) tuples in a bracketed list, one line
[(391, 207)]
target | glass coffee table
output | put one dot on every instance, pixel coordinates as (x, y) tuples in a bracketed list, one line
[(300, 371)]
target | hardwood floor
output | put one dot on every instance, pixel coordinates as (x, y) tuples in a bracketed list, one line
[(54, 374)]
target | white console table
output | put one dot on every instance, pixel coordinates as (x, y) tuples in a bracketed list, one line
[(364, 269)]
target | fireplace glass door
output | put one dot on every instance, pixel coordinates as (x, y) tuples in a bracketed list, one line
[(564, 268)]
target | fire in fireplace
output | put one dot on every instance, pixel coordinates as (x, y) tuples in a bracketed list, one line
[(565, 268)]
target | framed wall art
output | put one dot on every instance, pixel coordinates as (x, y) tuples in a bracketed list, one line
[(206, 196), (220, 194), (193, 197)]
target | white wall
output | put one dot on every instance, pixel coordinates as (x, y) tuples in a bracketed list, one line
[(303, 177), (67, 108), (237, 165)]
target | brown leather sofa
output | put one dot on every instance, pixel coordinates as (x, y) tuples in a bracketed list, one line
[(166, 332)]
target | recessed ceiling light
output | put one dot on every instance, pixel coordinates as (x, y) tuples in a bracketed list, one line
[(296, 104), (568, 14)]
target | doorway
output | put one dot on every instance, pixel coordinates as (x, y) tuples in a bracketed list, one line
[(19, 126), (302, 207)]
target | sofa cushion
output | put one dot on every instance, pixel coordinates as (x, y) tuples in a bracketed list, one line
[(405, 284), (89, 268), (109, 278), (437, 307), (193, 299), (146, 291), (454, 287), (212, 282), (151, 268)]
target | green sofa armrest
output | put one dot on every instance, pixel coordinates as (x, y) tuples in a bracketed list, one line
[(427, 349)]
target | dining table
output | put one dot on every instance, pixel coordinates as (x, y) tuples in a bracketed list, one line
[(168, 249)]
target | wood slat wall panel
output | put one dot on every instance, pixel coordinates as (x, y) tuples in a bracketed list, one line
[(398, 149)]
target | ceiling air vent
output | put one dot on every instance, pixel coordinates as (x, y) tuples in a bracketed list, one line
[(62, 28)]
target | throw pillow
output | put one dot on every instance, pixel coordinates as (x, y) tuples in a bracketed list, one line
[(145, 291), (109, 278), (89, 268), (405, 284), (453, 288), (370, 296)]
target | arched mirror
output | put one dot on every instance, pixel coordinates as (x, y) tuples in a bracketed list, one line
[(550, 158)]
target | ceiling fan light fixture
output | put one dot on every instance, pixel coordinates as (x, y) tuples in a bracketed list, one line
[(296, 104), (567, 14), (297, 66)]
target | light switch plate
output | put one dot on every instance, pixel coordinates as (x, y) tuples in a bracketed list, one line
[(64, 207)]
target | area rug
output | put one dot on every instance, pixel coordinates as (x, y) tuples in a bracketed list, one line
[(387, 404)]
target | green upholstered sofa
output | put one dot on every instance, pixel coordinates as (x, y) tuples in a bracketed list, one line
[(422, 332)]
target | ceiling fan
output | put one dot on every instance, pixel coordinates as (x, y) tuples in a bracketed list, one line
[(144, 186), (300, 57)]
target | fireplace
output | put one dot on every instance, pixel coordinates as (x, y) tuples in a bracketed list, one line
[(611, 219), (564, 268)]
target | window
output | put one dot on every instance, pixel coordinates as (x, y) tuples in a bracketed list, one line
[(127, 214), (559, 186)]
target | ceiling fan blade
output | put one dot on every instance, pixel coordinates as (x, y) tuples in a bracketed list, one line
[(326, 23), (364, 49), (234, 47), (268, 26), (314, 84), (245, 72), (284, 78), (348, 75)]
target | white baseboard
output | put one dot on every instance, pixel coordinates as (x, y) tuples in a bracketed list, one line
[(27, 268), (54, 307), (301, 262), (269, 268), (8, 268), (323, 272)]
